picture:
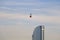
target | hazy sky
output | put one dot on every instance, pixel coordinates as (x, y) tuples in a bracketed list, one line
[(15, 23)]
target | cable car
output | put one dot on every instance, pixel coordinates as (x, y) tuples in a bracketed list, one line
[(30, 15)]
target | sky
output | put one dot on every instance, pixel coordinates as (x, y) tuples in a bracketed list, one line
[(15, 23)]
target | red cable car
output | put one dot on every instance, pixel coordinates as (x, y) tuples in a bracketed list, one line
[(30, 15)]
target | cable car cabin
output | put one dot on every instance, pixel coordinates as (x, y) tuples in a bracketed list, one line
[(30, 15)]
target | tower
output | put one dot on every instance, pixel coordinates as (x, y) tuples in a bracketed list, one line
[(38, 33)]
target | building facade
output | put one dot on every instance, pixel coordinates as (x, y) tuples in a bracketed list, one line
[(38, 33)]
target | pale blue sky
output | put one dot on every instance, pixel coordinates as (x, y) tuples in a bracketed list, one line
[(14, 17)]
